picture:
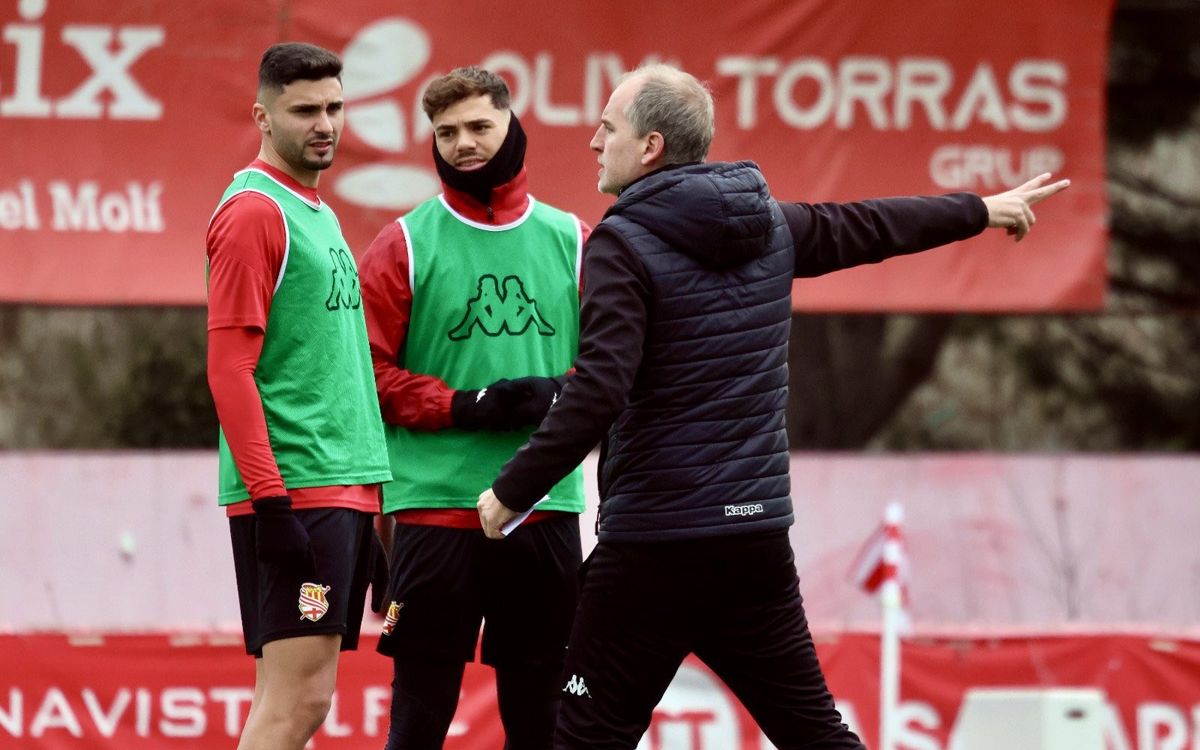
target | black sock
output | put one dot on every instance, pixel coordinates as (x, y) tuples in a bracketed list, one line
[(424, 698), (528, 697)]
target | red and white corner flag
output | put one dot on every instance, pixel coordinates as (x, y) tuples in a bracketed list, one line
[(883, 558), (882, 566)]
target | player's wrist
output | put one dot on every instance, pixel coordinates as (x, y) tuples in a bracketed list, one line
[(484, 409), (463, 411), (272, 505)]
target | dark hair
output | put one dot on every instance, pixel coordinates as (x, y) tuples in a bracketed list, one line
[(464, 83), (296, 61)]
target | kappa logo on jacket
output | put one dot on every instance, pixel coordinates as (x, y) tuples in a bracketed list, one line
[(496, 311)]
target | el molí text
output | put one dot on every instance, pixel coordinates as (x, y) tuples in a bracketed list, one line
[(83, 206)]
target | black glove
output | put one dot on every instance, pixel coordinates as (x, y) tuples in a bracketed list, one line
[(535, 396), (280, 538), (377, 563), (485, 409)]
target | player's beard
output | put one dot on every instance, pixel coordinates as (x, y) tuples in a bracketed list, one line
[(318, 163), (504, 165), (297, 155)]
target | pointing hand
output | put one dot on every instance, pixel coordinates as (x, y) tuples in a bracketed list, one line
[(1011, 210)]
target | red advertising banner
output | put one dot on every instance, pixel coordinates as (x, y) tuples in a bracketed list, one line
[(125, 121), (177, 693)]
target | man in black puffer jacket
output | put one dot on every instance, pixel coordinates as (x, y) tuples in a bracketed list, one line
[(682, 374)]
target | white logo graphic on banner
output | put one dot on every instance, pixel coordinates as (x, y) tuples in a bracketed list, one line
[(379, 60)]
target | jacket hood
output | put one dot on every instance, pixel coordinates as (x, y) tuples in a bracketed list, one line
[(718, 213)]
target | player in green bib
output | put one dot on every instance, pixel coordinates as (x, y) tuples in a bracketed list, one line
[(302, 452), (472, 305)]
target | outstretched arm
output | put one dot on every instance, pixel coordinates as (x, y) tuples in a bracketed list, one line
[(1011, 210), (832, 236)]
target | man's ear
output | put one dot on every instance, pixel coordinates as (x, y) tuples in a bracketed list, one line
[(261, 118), (653, 150)]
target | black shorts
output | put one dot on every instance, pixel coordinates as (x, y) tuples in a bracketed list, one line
[(444, 581), (278, 603)]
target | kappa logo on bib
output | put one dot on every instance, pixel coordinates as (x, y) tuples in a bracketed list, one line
[(313, 604), (501, 308), (345, 293)]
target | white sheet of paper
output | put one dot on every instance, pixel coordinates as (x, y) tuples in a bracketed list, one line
[(508, 528)]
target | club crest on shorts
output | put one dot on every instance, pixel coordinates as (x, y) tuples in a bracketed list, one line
[(313, 604), (392, 616)]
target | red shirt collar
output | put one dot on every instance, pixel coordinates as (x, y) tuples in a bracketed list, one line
[(309, 194), (509, 202)]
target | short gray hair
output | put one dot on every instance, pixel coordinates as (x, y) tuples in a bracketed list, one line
[(676, 104)]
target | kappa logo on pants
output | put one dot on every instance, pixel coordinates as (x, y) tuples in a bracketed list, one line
[(576, 686)]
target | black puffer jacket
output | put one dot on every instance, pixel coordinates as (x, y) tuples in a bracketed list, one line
[(700, 450), (681, 369)]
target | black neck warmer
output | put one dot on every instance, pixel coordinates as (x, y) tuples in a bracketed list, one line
[(504, 165)]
